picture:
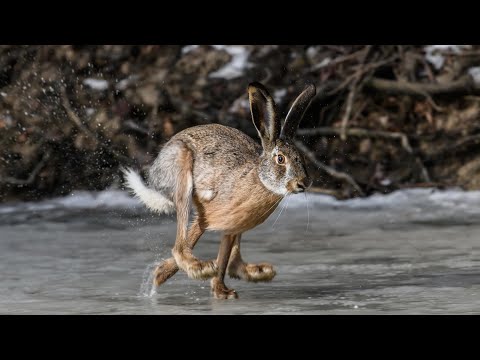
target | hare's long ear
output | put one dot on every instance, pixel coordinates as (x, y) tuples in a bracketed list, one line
[(264, 113), (296, 112)]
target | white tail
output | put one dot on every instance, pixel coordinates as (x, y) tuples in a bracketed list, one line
[(151, 198)]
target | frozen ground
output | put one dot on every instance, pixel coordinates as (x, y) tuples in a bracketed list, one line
[(414, 251)]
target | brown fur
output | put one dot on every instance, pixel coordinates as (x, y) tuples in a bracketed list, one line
[(235, 185), (248, 207)]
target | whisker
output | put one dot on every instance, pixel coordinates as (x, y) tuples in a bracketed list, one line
[(270, 208), (308, 212), (284, 206), (278, 216)]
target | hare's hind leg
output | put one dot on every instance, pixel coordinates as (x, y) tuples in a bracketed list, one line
[(220, 291), (165, 271), (238, 269), (182, 251), (169, 267)]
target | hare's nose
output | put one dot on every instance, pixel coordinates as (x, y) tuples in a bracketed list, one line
[(303, 184)]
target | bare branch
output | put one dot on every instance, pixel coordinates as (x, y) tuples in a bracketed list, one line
[(423, 170), (135, 127)]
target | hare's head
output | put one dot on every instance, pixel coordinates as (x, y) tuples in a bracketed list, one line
[(282, 167)]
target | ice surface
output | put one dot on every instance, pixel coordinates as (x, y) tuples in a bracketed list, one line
[(411, 251)]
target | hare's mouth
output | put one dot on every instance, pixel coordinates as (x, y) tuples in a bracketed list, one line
[(300, 188)]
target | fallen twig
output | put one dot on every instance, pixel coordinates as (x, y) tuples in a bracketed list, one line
[(337, 60), (33, 175), (135, 127), (462, 86), (423, 170), (74, 117), (405, 143), (451, 150), (329, 170), (348, 110), (94, 136), (328, 131)]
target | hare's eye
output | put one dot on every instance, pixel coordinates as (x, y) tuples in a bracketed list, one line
[(280, 159)]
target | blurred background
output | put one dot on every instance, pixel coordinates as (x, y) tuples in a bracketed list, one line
[(385, 117)]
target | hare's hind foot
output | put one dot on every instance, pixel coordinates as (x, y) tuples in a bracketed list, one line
[(164, 271), (195, 268), (252, 272), (220, 291)]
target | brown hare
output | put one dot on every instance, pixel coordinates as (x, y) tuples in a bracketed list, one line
[(233, 182)]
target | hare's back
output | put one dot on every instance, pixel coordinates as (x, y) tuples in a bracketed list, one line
[(220, 144), (220, 156)]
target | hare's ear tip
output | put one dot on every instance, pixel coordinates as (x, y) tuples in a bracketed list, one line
[(311, 86), (255, 85)]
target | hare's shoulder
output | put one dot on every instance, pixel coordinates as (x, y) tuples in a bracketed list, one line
[(216, 139)]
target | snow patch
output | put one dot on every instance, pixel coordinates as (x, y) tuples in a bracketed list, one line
[(278, 95), (125, 83), (113, 199), (96, 84), (474, 72), (239, 105), (385, 182), (420, 198), (433, 53), (322, 63), (188, 48), (237, 64), (8, 120), (423, 203), (312, 51)]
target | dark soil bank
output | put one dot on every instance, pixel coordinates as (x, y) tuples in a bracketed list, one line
[(385, 117)]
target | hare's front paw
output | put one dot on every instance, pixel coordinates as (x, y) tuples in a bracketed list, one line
[(220, 291), (253, 272)]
